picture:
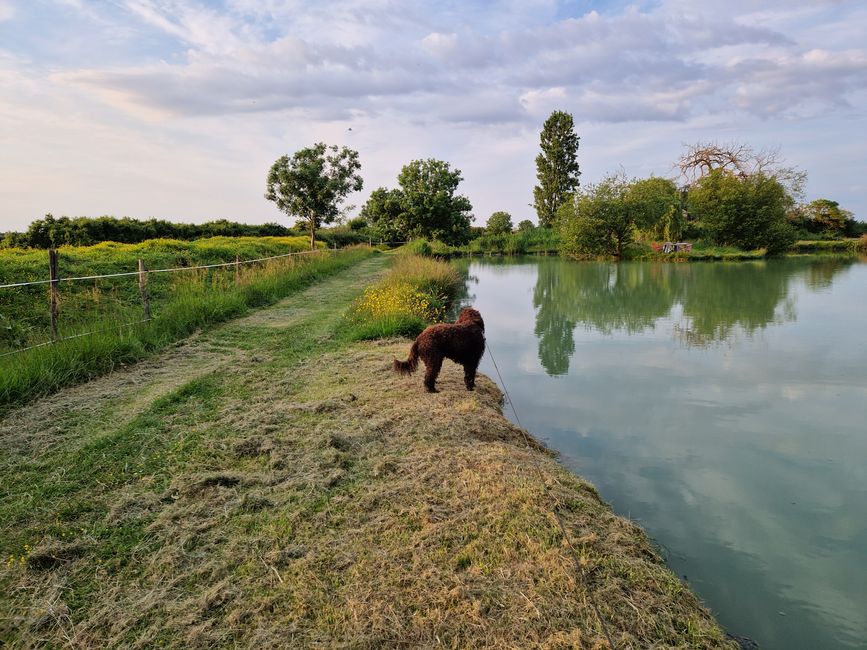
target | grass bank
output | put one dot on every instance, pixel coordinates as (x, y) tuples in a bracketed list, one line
[(542, 241), (270, 484), (416, 292), (24, 310), (196, 300)]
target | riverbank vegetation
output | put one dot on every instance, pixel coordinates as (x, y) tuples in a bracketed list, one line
[(184, 303), (270, 481), (415, 293)]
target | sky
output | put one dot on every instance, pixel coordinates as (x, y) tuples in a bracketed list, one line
[(176, 109)]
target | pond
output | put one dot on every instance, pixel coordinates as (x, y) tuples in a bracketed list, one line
[(722, 406)]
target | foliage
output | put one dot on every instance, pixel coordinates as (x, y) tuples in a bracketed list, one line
[(557, 167), (430, 205), (525, 225), (657, 202), (425, 205), (747, 212), (499, 223), (51, 232), (416, 292), (823, 217), (385, 214), (312, 184), (604, 218)]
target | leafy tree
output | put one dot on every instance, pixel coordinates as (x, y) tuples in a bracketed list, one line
[(556, 167), (604, 218), (312, 184), (826, 216), (744, 211), (657, 207), (384, 212), (499, 223), (526, 226), (430, 207)]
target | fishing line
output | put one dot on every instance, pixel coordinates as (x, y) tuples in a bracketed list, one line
[(557, 505)]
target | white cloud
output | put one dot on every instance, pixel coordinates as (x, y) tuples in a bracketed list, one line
[(253, 80)]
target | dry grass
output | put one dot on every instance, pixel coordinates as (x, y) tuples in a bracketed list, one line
[(322, 501)]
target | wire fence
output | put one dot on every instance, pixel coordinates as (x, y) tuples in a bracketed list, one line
[(142, 274)]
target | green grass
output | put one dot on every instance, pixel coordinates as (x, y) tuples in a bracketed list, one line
[(415, 293), (846, 246), (24, 310), (272, 483), (194, 303)]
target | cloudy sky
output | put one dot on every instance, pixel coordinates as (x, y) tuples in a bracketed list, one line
[(176, 108)]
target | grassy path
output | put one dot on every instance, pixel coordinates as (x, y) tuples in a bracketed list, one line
[(267, 485)]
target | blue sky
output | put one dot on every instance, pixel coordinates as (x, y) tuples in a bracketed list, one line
[(176, 109)]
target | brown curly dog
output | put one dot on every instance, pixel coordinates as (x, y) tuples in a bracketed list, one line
[(463, 342)]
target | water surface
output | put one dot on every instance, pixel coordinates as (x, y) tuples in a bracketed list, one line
[(723, 406)]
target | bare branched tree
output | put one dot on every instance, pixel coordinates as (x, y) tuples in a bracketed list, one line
[(741, 160)]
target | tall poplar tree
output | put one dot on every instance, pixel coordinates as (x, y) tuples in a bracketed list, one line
[(556, 167)]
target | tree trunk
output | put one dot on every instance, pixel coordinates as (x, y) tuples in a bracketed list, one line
[(312, 236)]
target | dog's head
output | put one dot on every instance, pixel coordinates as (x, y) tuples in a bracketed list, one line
[(470, 315)]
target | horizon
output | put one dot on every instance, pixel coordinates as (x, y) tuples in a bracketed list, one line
[(175, 110)]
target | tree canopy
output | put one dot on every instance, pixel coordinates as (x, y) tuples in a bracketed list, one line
[(312, 184), (604, 218), (557, 167), (499, 223), (425, 205), (744, 211)]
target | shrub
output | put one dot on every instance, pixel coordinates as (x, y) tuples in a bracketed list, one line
[(747, 212)]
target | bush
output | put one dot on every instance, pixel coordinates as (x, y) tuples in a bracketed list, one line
[(748, 212)]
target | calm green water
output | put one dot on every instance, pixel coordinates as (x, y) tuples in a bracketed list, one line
[(722, 406)]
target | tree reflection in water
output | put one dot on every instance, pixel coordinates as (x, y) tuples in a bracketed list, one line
[(709, 302)]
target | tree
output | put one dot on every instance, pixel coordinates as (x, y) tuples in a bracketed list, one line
[(741, 160), (596, 221), (384, 212), (556, 167), (604, 218), (744, 211), (826, 216), (312, 184), (657, 207), (499, 223), (430, 207), (525, 226)]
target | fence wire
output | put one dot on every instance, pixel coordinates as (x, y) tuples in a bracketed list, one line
[(235, 263)]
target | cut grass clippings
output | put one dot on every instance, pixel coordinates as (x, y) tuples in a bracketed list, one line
[(270, 485)]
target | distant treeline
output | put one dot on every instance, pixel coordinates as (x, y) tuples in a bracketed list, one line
[(85, 231)]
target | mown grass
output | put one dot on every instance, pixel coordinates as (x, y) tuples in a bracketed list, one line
[(196, 301), (415, 293), (24, 310), (270, 484)]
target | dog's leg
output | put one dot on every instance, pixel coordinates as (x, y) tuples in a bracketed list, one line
[(432, 371), (470, 374)]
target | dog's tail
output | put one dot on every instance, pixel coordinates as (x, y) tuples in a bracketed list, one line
[(408, 367)]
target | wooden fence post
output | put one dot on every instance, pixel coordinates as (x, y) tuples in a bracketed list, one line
[(143, 288), (237, 269), (53, 294)]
